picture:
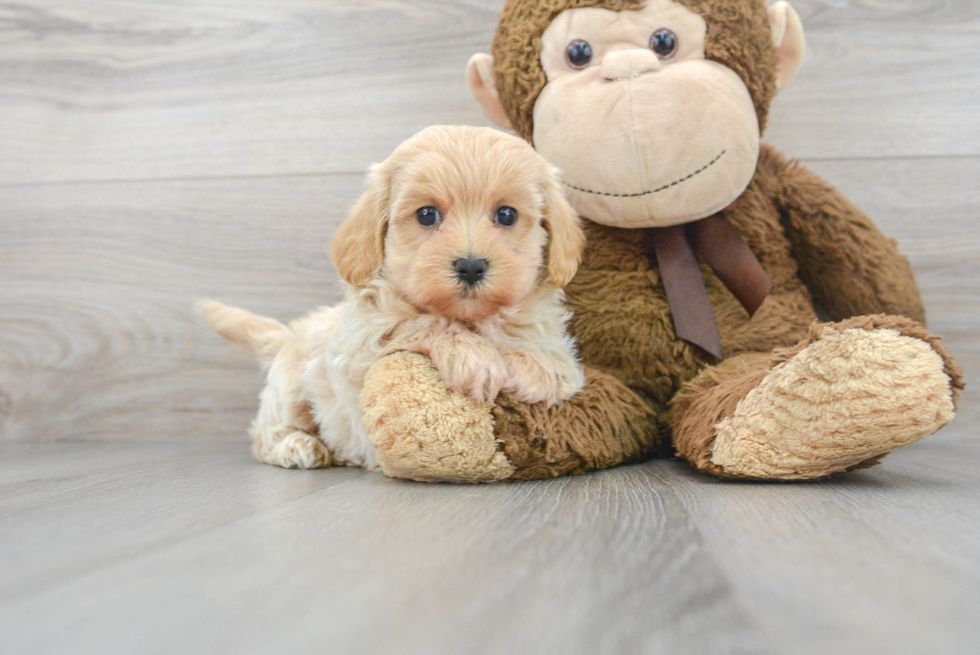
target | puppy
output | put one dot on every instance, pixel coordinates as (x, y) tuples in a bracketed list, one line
[(458, 250)]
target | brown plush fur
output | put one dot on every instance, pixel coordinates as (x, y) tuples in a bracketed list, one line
[(708, 399), (622, 320), (815, 246), (623, 325), (738, 37), (604, 425), (850, 270), (715, 394)]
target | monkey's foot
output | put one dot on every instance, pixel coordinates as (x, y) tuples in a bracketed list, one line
[(423, 430), (849, 394)]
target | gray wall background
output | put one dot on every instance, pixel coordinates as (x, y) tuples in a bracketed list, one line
[(159, 152)]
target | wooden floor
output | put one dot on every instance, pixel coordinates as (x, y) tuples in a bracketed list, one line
[(155, 153), (192, 547)]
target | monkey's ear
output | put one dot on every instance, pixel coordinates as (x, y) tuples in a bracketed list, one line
[(480, 77), (357, 249), (787, 34), (566, 238)]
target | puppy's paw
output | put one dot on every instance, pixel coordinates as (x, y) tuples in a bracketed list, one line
[(470, 365), (533, 379), (571, 380), (293, 450), (480, 378)]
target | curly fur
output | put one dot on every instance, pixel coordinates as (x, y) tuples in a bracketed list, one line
[(505, 332)]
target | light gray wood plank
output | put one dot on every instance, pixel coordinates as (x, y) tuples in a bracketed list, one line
[(98, 341), (199, 552), (164, 89), (883, 79), (190, 546), (165, 547), (146, 498), (885, 561)]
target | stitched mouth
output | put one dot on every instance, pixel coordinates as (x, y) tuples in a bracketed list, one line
[(651, 191)]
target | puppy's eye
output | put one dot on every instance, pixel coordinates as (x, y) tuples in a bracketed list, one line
[(664, 43), (428, 216), (506, 216), (578, 54)]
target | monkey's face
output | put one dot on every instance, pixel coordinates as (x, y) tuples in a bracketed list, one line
[(646, 131)]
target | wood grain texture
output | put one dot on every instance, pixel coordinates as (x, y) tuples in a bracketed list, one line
[(163, 548), (883, 79), (104, 90), (160, 152), (108, 90), (885, 561), (245, 558), (98, 340)]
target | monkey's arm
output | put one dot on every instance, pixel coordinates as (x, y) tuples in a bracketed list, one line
[(851, 268)]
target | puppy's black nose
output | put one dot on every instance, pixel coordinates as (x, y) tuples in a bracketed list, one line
[(470, 271)]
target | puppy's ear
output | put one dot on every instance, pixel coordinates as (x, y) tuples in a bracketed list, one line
[(566, 238), (357, 250)]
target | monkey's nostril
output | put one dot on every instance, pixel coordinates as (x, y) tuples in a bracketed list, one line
[(470, 271)]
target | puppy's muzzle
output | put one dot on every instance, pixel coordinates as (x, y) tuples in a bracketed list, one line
[(470, 271)]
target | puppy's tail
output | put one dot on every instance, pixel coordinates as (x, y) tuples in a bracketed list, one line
[(259, 336)]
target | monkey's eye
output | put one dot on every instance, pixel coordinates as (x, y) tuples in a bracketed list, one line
[(664, 43), (578, 54), (506, 216), (428, 216)]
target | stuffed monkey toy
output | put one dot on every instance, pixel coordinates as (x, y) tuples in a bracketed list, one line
[(707, 256)]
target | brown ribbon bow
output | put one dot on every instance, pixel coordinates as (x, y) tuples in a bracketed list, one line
[(725, 251)]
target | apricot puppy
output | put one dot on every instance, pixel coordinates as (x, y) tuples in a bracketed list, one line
[(458, 250)]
